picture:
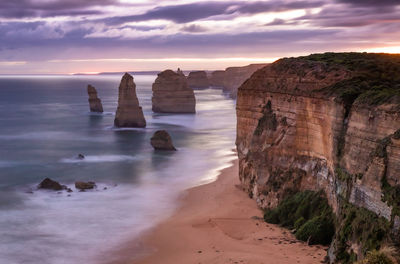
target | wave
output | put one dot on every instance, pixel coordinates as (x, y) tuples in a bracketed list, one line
[(100, 158), (50, 135)]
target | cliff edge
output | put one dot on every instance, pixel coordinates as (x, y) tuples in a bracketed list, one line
[(327, 122)]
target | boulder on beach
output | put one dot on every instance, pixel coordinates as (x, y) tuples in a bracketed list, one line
[(129, 113), (94, 102), (84, 185), (171, 94), (49, 184), (161, 140), (198, 80)]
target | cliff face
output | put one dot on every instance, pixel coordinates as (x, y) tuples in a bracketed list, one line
[(198, 80), (235, 76), (129, 113), (217, 79), (296, 130), (171, 94), (94, 102)]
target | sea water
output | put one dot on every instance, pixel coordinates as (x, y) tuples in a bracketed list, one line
[(45, 123)]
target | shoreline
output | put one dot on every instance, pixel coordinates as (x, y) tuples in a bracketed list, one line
[(218, 223)]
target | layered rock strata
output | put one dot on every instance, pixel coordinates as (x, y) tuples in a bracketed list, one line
[(129, 112), (94, 102), (171, 94), (297, 129), (198, 80)]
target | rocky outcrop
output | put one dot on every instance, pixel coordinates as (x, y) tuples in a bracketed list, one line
[(161, 140), (49, 184), (302, 124), (94, 102), (198, 80), (129, 112), (85, 185), (217, 79), (171, 94)]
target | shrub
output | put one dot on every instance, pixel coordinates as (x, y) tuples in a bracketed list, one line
[(308, 212)]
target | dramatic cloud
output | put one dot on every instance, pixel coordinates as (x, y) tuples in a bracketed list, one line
[(93, 35)]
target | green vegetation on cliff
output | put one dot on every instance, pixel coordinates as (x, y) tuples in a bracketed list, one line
[(309, 213), (361, 227), (375, 76)]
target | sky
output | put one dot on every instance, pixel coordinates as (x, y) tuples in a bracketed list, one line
[(89, 36)]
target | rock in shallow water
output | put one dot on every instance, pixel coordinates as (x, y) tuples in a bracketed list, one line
[(85, 185), (49, 184), (161, 140), (94, 102)]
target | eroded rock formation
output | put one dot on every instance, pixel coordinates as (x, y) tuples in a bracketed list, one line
[(129, 112), (316, 123), (94, 102), (171, 94), (161, 140), (198, 80)]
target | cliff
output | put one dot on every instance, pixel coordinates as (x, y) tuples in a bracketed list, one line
[(198, 80), (235, 76), (217, 79), (327, 122), (94, 102), (171, 94), (129, 113)]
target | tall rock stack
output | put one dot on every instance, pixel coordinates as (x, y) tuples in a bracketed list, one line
[(198, 80), (94, 102), (171, 94), (129, 112)]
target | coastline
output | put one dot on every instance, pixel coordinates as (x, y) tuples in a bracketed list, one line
[(218, 223)]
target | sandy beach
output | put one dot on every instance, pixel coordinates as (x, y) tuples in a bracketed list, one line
[(218, 223)]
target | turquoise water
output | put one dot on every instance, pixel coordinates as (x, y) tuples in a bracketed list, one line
[(45, 123)]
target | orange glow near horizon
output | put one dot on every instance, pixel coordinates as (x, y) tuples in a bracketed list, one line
[(392, 50)]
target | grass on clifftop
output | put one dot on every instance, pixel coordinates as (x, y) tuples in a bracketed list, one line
[(309, 213), (376, 77)]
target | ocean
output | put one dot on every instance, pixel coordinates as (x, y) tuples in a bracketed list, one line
[(46, 123)]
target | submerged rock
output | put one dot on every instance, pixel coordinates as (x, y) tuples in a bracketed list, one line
[(84, 185), (49, 184), (171, 94), (198, 80), (161, 140), (129, 113), (94, 102)]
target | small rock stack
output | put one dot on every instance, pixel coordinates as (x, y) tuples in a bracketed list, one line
[(94, 102)]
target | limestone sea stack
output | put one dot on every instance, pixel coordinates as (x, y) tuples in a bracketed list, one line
[(161, 140), (171, 94), (198, 80), (94, 102), (129, 113)]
